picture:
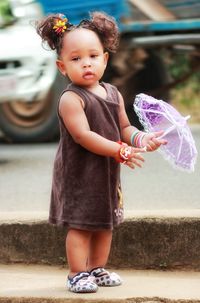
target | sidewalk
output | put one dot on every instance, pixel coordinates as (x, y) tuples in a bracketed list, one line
[(48, 284)]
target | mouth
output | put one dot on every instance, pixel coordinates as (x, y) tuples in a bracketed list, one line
[(88, 75)]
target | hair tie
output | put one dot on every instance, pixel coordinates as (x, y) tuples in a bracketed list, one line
[(61, 25)]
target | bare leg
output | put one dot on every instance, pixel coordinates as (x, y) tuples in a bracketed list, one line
[(99, 251), (77, 250), (99, 248)]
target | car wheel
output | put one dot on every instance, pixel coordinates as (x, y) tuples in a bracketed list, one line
[(32, 121)]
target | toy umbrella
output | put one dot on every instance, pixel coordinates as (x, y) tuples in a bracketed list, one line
[(156, 115)]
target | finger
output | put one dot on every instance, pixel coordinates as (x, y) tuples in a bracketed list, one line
[(139, 150), (163, 141), (138, 156), (156, 141), (159, 142), (151, 147), (136, 161), (159, 133), (130, 164), (138, 164), (133, 164)]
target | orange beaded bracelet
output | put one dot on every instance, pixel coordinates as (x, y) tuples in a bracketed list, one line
[(124, 152)]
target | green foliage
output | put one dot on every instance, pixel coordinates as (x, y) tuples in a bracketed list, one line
[(186, 95), (179, 65), (6, 16)]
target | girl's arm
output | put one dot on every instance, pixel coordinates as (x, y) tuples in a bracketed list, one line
[(150, 140), (72, 111)]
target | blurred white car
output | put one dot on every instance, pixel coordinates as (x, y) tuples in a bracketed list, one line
[(27, 71), (29, 80)]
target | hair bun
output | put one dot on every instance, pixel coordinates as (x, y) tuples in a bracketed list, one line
[(108, 30), (46, 28)]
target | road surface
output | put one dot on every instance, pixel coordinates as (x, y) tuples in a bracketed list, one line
[(26, 170)]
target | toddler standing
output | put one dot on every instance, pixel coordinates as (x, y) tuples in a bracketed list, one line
[(95, 137)]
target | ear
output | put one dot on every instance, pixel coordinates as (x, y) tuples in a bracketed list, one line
[(106, 56), (61, 67)]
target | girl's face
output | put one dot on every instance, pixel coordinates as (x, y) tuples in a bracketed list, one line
[(82, 58)]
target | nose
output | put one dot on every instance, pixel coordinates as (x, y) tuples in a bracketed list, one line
[(86, 63)]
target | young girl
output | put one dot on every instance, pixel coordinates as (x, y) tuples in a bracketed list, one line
[(86, 195)]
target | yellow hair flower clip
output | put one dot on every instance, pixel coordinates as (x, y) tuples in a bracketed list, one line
[(60, 26)]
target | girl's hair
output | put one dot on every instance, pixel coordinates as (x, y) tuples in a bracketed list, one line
[(102, 24)]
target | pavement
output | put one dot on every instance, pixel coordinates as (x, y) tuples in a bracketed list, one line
[(28, 283)]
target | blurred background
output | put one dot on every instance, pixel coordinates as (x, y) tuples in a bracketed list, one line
[(159, 54)]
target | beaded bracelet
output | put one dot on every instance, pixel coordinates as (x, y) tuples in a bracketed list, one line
[(124, 152), (136, 138), (134, 134)]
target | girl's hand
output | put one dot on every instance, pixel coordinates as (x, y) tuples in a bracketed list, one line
[(130, 156), (152, 142), (136, 159)]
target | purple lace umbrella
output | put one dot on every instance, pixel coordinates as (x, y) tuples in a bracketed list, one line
[(156, 115)]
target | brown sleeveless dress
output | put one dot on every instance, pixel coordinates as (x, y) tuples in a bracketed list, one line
[(86, 187)]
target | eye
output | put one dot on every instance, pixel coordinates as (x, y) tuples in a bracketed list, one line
[(94, 56), (75, 58)]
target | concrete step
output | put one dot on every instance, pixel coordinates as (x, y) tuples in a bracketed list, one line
[(143, 241), (46, 284)]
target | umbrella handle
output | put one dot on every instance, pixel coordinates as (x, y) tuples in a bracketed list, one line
[(187, 117), (167, 131), (172, 127)]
